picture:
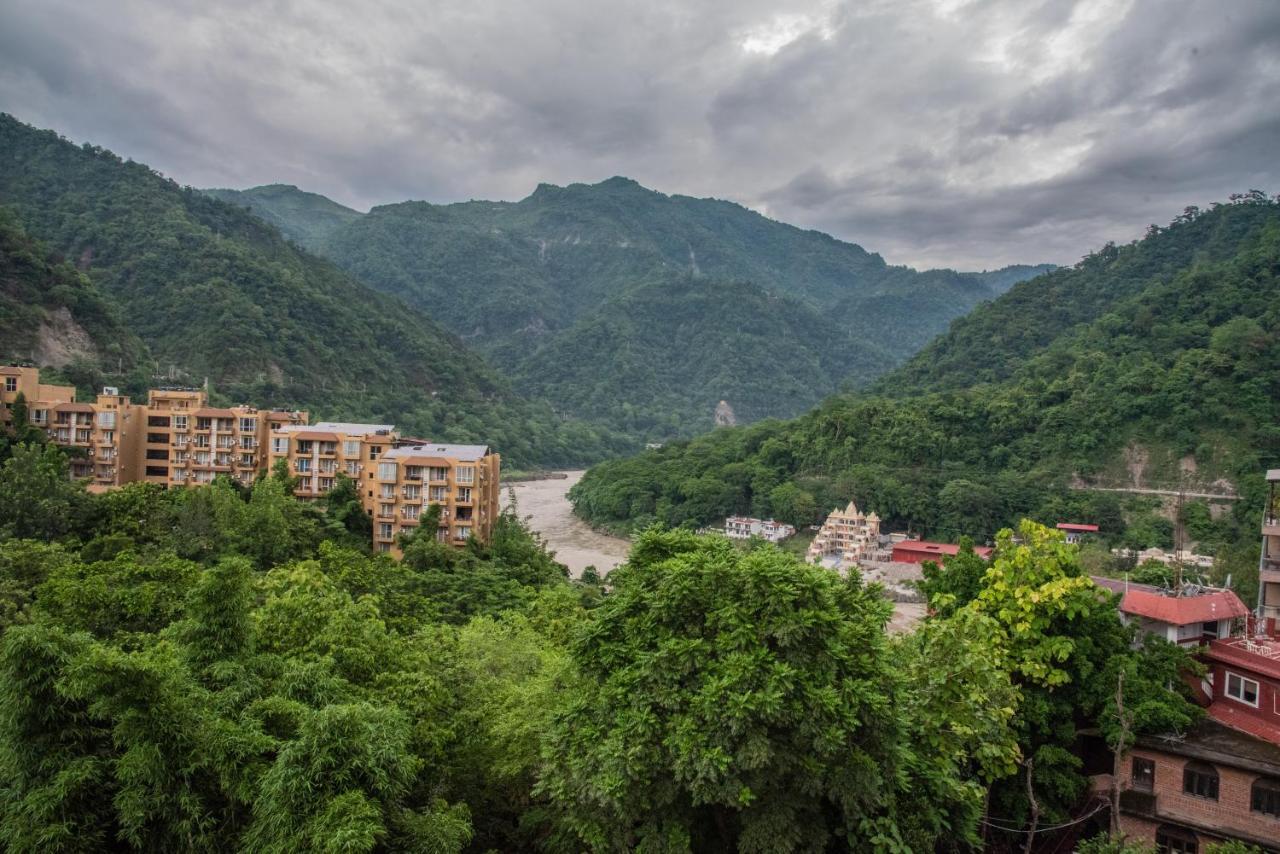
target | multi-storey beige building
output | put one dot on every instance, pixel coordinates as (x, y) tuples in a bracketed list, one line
[(318, 453), (177, 439), (847, 535), (461, 479)]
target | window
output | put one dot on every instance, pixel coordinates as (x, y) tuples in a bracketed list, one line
[(248, 442), (305, 446), (157, 471), (179, 422), (1209, 629), (1242, 689), (1265, 797), (374, 450), (157, 421), (384, 531), (40, 416), (10, 383), (246, 459), (438, 473), (302, 465), (248, 425), (326, 484), (1201, 780), (462, 533), (304, 483), (386, 510), (157, 454), (386, 471), (384, 547), (107, 420), (1171, 839), (464, 493), (279, 445), (204, 423), (351, 447), (466, 474), (1144, 774)]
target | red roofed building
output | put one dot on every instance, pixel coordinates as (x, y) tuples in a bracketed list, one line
[(1076, 532), (1188, 619), (918, 551)]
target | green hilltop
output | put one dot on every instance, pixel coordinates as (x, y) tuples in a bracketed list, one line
[(545, 285), (1151, 364), (216, 293)]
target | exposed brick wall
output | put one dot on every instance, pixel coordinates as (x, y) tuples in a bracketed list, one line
[(1229, 814)]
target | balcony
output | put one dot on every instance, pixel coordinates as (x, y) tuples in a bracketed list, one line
[(1271, 527)]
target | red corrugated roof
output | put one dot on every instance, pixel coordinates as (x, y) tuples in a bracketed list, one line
[(1183, 610), (928, 548), (1072, 526)]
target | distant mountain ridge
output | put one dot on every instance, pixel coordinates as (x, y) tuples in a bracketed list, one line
[(519, 280), (213, 292)]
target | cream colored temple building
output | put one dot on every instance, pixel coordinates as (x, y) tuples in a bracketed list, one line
[(847, 535)]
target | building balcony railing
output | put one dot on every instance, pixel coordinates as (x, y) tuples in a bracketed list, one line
[(1269, 575)]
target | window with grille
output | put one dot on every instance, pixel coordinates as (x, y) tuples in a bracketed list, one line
[(1265, 797), (1200, 780), (1144, 774)]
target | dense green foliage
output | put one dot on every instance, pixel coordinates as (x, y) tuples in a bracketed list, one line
[(1179, 371), (575, 290), (219, 669), (678, 345), (50, 313), (216, 293)]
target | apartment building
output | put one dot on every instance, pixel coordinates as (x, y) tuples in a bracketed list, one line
[(190, 442), (178, 439), (461, 479), (318, 453)]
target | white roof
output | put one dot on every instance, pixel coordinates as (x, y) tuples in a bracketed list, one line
[(353, 429), (456, 452)]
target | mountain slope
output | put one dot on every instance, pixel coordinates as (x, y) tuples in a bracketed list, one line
[(679, 344), (305, 218), (1166, 351), (215, 292), (53, 315), (520, 281)]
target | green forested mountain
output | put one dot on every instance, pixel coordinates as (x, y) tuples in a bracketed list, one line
[(53, 315), (679, 344), (216, 293), (305, 218), (538, 284), (1160, 359)]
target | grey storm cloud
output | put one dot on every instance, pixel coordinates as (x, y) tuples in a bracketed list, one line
[(964, 133)]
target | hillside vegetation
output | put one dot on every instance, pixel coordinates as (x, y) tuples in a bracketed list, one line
[(1172, 342), (51, 313), (535, 284), (217, 293)]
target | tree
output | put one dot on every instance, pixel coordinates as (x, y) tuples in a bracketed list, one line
[(956, 583), (37, 498), (728, 700)]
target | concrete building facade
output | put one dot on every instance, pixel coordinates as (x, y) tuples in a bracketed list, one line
[(178, 439)]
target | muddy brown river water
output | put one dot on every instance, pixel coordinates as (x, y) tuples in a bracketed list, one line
[(545, 504)]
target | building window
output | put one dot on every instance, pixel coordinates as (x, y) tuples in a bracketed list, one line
[(466, 474), (1171, 839), (1244, 690), (10, 383), (1201, 780), (279, 445), (384, 531), (247, 442), (1266, 796), (384, 547), (464, 493), (107, 420), (351, 447), (179, 422), (1144, 774), (248, 425), (386, 471)]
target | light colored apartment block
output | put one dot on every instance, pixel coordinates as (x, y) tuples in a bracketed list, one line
[(178, 439), (461, 479), (318, 453)]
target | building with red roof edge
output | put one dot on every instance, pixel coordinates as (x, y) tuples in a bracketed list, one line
[(1075, 533), (918, 551), (1221, 780)]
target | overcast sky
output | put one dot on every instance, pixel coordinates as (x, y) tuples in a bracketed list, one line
[(936, 132)]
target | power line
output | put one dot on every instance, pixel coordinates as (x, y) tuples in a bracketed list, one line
[(1084, 817)]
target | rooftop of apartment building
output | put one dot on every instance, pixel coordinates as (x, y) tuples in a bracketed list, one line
[(344, 427), (467, 453), (1213, 741)]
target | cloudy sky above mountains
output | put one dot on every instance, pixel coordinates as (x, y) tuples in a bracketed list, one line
[(966, 133)]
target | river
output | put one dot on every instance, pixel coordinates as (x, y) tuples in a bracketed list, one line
[(545, 505)]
